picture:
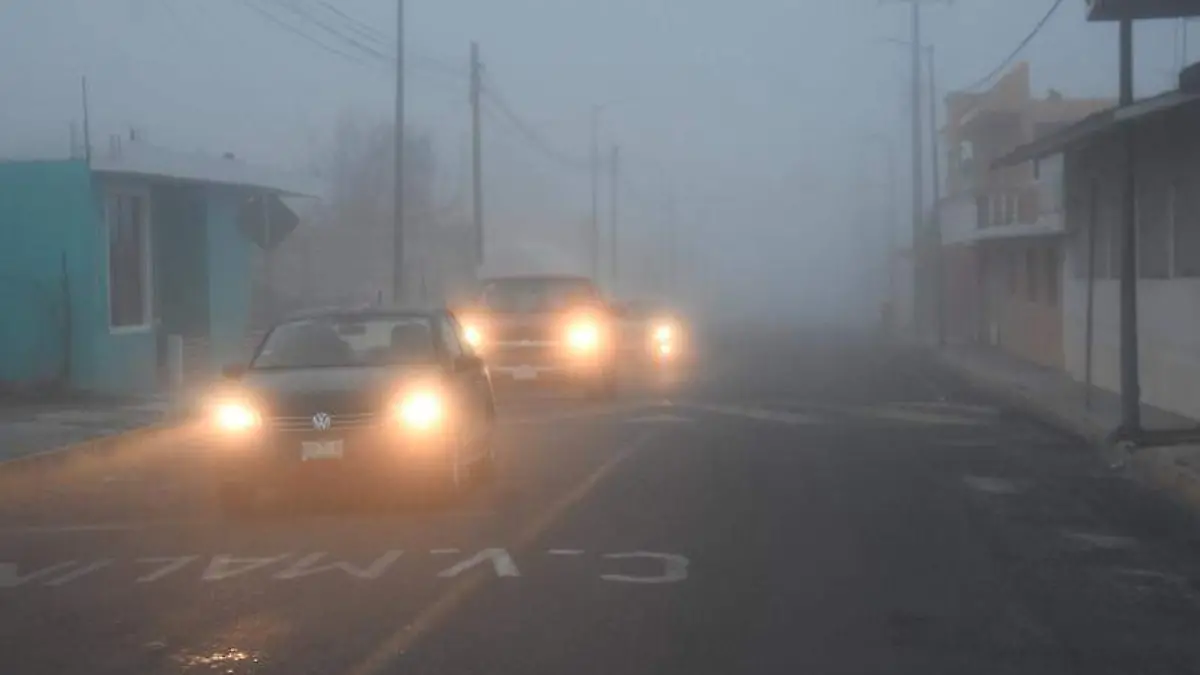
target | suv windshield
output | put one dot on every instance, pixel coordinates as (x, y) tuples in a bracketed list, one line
[(527, 296), (347, 342)]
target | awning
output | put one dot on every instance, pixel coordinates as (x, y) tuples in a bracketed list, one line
[(1114, 10), (1092, 126)]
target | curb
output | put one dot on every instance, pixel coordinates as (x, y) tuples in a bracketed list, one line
[(91, 446), (1155, 467)]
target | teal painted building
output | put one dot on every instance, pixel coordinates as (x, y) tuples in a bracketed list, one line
[(101, 260)]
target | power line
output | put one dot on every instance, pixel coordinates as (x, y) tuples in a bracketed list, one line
[(299, 11), (383, 40), (360, 27), (497, 101), (301, 34), (1023, 44), (363, 54)]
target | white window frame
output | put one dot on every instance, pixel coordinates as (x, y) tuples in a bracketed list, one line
[(147, 260)]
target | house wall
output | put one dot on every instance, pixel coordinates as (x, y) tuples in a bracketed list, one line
[(1023, 301), (45, 211), (54, 267), (1169, 261), (119, 361)]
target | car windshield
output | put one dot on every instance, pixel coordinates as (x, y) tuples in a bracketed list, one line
[(537, 295), (347, 342)]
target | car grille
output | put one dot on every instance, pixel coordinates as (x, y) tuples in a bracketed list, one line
[(518, 333), (337, 422), (514, 355)]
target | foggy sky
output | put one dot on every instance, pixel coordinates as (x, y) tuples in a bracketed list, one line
[(751, 114)]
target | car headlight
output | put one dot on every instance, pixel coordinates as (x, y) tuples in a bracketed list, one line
[(583, 336), (420, 410), (473, 336), (236, 417), (663, 332)]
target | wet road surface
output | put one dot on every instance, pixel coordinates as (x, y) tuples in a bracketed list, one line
[(803, 504)]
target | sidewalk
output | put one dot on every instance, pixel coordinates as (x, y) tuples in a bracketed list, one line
[(1056, 399), (27, 430)]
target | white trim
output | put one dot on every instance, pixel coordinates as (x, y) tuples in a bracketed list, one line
[(147, 324)]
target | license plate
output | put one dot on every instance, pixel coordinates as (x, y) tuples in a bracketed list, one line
[(524, 373), (314, 450)]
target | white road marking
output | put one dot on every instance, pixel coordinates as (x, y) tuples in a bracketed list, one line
[(565, 551), (307, 566), (79, 572), (225, 566), (894, 413), (501, 561), (758, 414), (660, 419), (172, 565), (1106, 541), (11, 578), (674, 568), (990, 485)]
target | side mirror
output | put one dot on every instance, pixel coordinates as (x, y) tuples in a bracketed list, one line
[(467, 363), (233, 371)]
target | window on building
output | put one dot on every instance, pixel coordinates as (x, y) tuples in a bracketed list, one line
[(1052, 272), (983, 212), (127, 218), (1014, 262), (1032, 269)]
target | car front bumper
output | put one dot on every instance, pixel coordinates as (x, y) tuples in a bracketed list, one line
[(363, 453), (545, 364)]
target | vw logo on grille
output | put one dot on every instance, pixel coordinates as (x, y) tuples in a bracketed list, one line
[(322, 421)]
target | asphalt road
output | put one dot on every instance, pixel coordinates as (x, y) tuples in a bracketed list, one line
[(801, 504)]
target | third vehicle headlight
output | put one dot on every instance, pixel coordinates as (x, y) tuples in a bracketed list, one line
[(473, 335), (663, 332), (421, 410), (583, 336)]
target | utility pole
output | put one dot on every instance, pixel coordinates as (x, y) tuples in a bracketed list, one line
[(594, 235), (87, 124), (613, 246), (476, 154), (1131, 397), (939, 285), (398, 238), (918, 187)]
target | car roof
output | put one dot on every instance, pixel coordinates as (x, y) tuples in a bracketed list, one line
[(538, 277)]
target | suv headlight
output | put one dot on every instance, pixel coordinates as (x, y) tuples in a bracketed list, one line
[(583, 336)]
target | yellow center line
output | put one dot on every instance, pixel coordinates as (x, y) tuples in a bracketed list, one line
[(434, 614)]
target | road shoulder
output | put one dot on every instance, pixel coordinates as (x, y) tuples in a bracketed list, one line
[(1058, 401)]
